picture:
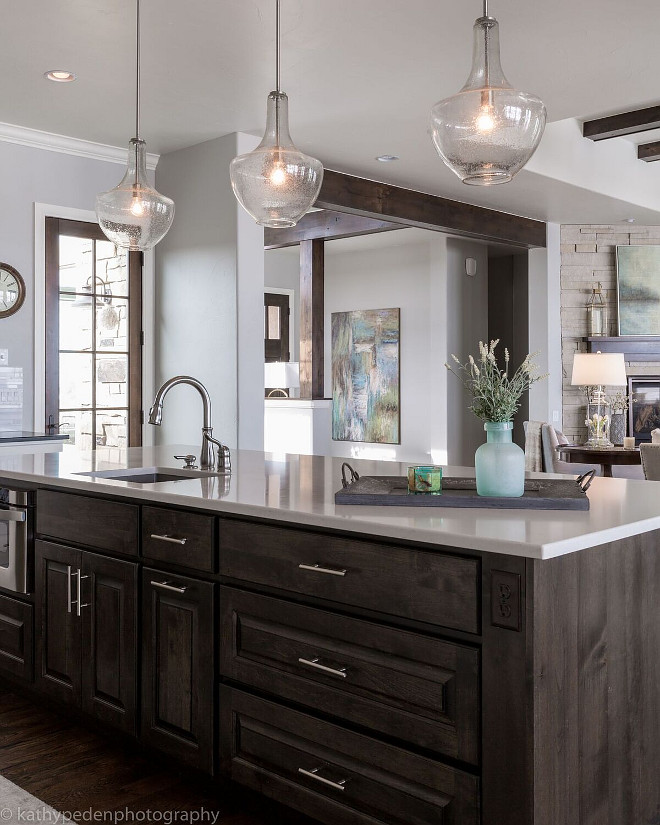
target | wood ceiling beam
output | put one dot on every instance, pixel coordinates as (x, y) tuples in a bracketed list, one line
[(382, 201), (627, 123), (649, 151), (326, 225)]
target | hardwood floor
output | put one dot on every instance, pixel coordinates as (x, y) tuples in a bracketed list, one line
[(73, 768)]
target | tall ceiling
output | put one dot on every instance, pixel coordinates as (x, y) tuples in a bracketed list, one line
[(361, 74)]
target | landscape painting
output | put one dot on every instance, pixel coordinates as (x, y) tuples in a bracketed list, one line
[(365, 376), (638, 279)]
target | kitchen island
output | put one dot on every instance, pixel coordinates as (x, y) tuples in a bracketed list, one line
[(361, 664)]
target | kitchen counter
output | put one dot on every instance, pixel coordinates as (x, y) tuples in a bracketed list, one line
[(21, 437), (300, 490)]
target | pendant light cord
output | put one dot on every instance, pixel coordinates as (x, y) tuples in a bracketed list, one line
[(486, 47), (277, 73), (485, 8), (137, 69), (277, 45)]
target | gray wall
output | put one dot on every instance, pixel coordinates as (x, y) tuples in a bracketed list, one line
[(29, 176), (209, 297), (467, 324)]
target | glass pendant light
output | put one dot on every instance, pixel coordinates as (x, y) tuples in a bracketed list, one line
[(276, 183), (488, 131), (134, 215)]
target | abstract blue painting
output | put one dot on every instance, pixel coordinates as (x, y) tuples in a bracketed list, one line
[(365, 376)]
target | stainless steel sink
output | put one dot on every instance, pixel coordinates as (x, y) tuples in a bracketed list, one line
[(150, 475)]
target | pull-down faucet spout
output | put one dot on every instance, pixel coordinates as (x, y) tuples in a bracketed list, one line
[(207, 456)]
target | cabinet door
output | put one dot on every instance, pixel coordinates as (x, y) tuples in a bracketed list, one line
[(57, 625), (177, 667), (109, 640)]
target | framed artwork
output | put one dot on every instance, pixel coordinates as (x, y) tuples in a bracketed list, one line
[(365, 376), (638, 289)]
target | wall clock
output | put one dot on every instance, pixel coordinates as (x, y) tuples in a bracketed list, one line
[(12, 290)]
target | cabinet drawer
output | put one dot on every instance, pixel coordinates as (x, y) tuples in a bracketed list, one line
[(16, 629), (438, 588), (335, 775), (92, 522), (173, 536), (413, 687)]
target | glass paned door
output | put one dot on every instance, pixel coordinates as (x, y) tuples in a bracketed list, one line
[(93, 352)]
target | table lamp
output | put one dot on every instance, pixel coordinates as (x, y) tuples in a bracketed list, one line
[(600, 370), (280, 376)]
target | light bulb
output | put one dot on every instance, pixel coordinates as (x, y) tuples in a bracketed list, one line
[(137, 207), (278, 175), (485, 121)]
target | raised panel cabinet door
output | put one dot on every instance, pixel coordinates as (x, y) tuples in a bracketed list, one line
[(57, 625), (109, 640), (16, 626), (177, 667)]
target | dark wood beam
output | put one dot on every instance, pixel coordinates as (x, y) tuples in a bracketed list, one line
[(345, 193), (312, 313), (649, 151), (627, 123), (327, 225)]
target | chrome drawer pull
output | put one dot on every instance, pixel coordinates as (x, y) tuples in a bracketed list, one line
[(167, 586), (314, 774), (316, 568), (341, 672), (170, 539)]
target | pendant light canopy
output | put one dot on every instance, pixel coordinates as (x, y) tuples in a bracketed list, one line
[(276, 183), (488, 131), (134, 215)]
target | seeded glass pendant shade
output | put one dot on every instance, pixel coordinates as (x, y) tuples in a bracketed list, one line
[(134, 215), (488, 131), (276, 183)]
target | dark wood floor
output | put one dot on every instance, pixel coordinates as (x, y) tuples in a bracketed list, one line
[(73, 768)]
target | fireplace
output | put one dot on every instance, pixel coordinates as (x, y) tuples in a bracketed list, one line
[(644, 411)]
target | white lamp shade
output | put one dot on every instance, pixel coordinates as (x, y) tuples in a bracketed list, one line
[(282, 374), (593, 369)]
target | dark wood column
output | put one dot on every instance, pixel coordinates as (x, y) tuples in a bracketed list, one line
[(311, 319)]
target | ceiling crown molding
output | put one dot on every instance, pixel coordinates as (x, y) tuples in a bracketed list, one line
[(36, 139)]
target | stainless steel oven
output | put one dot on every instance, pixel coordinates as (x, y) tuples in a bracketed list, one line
[(16, 540)]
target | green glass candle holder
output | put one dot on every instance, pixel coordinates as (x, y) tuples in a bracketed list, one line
[(424, 478)]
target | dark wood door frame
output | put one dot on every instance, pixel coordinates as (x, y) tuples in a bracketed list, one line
[(55, 227), (312, 318)]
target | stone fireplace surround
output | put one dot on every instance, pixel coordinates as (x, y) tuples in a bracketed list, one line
[(588, 255)]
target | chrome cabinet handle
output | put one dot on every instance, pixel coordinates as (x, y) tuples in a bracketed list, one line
[(314, 774), (12, 515), (78, 602), (167, 586), (169, 539), (69, 603), (331, 571), (341, 672)]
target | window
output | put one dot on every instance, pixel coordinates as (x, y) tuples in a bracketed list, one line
[(93, 337)]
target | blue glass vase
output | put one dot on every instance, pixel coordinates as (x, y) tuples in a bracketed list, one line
[(499, 463)]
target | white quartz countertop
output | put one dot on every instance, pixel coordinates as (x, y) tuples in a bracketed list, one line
[(300, 490)]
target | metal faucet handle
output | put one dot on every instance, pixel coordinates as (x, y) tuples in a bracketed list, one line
[(223, 461), (189, 459)]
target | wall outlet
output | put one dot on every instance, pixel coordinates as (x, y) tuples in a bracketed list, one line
[(4, 357), (555, 416)]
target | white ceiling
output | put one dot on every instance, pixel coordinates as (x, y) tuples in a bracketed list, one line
[(361, 74)]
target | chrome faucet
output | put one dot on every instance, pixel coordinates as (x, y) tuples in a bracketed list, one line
[(208, 459)]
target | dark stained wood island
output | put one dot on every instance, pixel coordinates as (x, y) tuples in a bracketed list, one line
[(359, 678)]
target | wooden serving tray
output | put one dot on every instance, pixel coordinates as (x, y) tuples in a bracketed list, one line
[(540, 494)]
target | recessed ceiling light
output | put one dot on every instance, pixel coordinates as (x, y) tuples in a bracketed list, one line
[(630, 220), (60, 76), (387, 158)]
